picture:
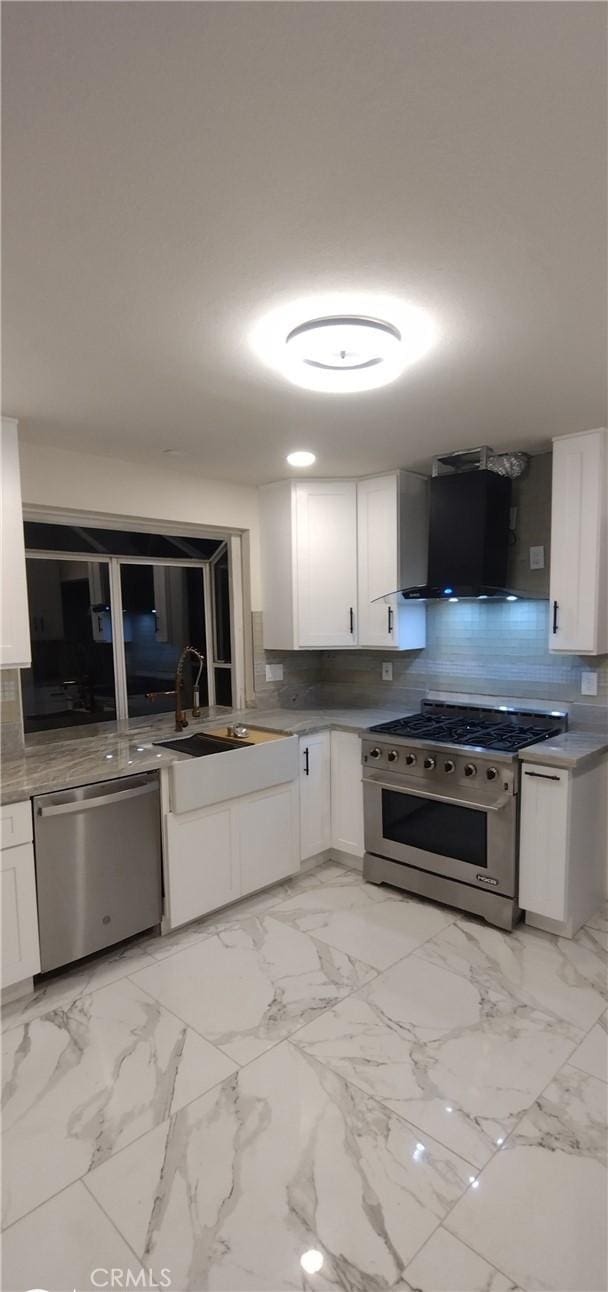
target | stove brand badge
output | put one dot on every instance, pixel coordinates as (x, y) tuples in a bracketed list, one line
[(487, 879)]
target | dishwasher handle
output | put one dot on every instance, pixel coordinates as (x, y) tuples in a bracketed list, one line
[(87, 805)]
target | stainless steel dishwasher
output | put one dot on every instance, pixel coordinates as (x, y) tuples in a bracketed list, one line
[(98, 866)]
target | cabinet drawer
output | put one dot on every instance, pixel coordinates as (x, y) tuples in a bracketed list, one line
[(16, 824)]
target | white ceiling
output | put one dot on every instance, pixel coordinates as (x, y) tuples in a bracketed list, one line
[(173, 171)]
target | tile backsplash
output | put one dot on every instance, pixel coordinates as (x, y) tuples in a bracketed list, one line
[(499, 649), (11, 722)]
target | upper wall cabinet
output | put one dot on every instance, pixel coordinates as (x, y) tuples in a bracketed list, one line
[(392, 553), (15, 651), (579, 544), (328, 548)]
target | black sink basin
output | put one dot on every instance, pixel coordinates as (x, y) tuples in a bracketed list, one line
[(200, 745)]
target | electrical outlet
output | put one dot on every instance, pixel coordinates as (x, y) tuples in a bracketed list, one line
[(274, 672), (537, 558), (387, 672), (588, 682)]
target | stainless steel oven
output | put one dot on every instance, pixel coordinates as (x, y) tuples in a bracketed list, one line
[(445, 827)]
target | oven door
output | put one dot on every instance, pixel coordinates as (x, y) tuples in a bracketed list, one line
[(463, 836)]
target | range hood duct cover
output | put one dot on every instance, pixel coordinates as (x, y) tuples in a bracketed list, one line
[(468, 536)]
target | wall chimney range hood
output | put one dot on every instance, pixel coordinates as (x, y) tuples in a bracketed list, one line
[(469, 534)]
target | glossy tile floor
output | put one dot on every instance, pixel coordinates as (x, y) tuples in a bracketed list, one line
[(328, 1073)]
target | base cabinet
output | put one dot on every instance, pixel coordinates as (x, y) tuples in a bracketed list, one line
[(315, 794), (562, 850), (217, 854), (20, 945), (346, 793)]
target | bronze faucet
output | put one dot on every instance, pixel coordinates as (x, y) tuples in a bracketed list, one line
[(181, 720)]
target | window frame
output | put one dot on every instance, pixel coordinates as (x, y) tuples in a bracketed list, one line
[(232, 541)]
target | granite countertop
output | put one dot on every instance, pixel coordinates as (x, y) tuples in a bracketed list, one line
[(571, 750), (60, 760)]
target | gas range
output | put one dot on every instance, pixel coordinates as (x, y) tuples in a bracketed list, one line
[(440, 791), (497, 730)]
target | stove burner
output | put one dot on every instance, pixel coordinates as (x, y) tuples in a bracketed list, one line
[(503, 735)]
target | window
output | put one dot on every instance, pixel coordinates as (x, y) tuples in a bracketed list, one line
[(107, 633), (71, 681)]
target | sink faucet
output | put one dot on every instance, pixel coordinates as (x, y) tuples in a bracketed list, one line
[(181, 720)]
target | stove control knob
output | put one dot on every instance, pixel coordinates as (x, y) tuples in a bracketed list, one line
[(429, 763), (411, 760), (375, 753), (392, 756), (449, 766), (492, 773), (470, 769)]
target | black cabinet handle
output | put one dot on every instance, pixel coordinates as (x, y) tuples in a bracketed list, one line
[(307, 761), (352, 620), (542, 776), (555, 616), (390, 619)]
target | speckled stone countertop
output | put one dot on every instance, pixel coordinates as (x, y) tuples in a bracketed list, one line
[(58, 761), (573, 749)]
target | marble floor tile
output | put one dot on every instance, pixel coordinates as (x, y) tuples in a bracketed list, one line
[(458, 1061), (560, 976), (373, 923), (64, 988), (592, 1053), (595, 940), (81, 1082), (253, 984), (444, 1264), (302, 1161), (539, 1209), (59, 1245), (256, 904), (600, 919)]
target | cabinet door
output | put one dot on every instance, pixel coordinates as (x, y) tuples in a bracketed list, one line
[(378, 546), (543, 841), (346, 793), (15, 648), (578, 609), (326, 563), (267, 833), (315, 794), (202, 863), (20, 949)]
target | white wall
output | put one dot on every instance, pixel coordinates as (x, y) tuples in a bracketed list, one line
[(60, 478)]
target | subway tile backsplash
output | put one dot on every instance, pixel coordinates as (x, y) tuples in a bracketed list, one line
[(479, 649)]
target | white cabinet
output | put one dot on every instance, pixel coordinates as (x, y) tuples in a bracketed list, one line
[(562, 845), (579, 544), (328, 548), (202, 862), (217, 854), (392, 554), (315, 794), (326, 563), (20, 947), (267, 829), (346, 793), (15, 651)]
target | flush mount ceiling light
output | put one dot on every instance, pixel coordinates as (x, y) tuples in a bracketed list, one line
[(336, 347), (301, 458)]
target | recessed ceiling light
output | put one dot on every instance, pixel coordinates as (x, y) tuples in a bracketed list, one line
[(343, 344), (301, 458)]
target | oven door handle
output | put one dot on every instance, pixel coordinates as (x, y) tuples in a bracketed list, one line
[(442, 798)]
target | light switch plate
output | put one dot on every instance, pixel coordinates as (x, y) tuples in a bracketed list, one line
[(588, 682), (274, 672), (537, 558), (387, 672)]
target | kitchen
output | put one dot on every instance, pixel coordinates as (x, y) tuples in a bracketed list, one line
[(304, 648)]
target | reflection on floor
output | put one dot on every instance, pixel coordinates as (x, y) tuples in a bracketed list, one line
[(330, 1085)]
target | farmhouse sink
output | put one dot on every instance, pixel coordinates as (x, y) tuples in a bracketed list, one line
[(207, 777), (200, 746)]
